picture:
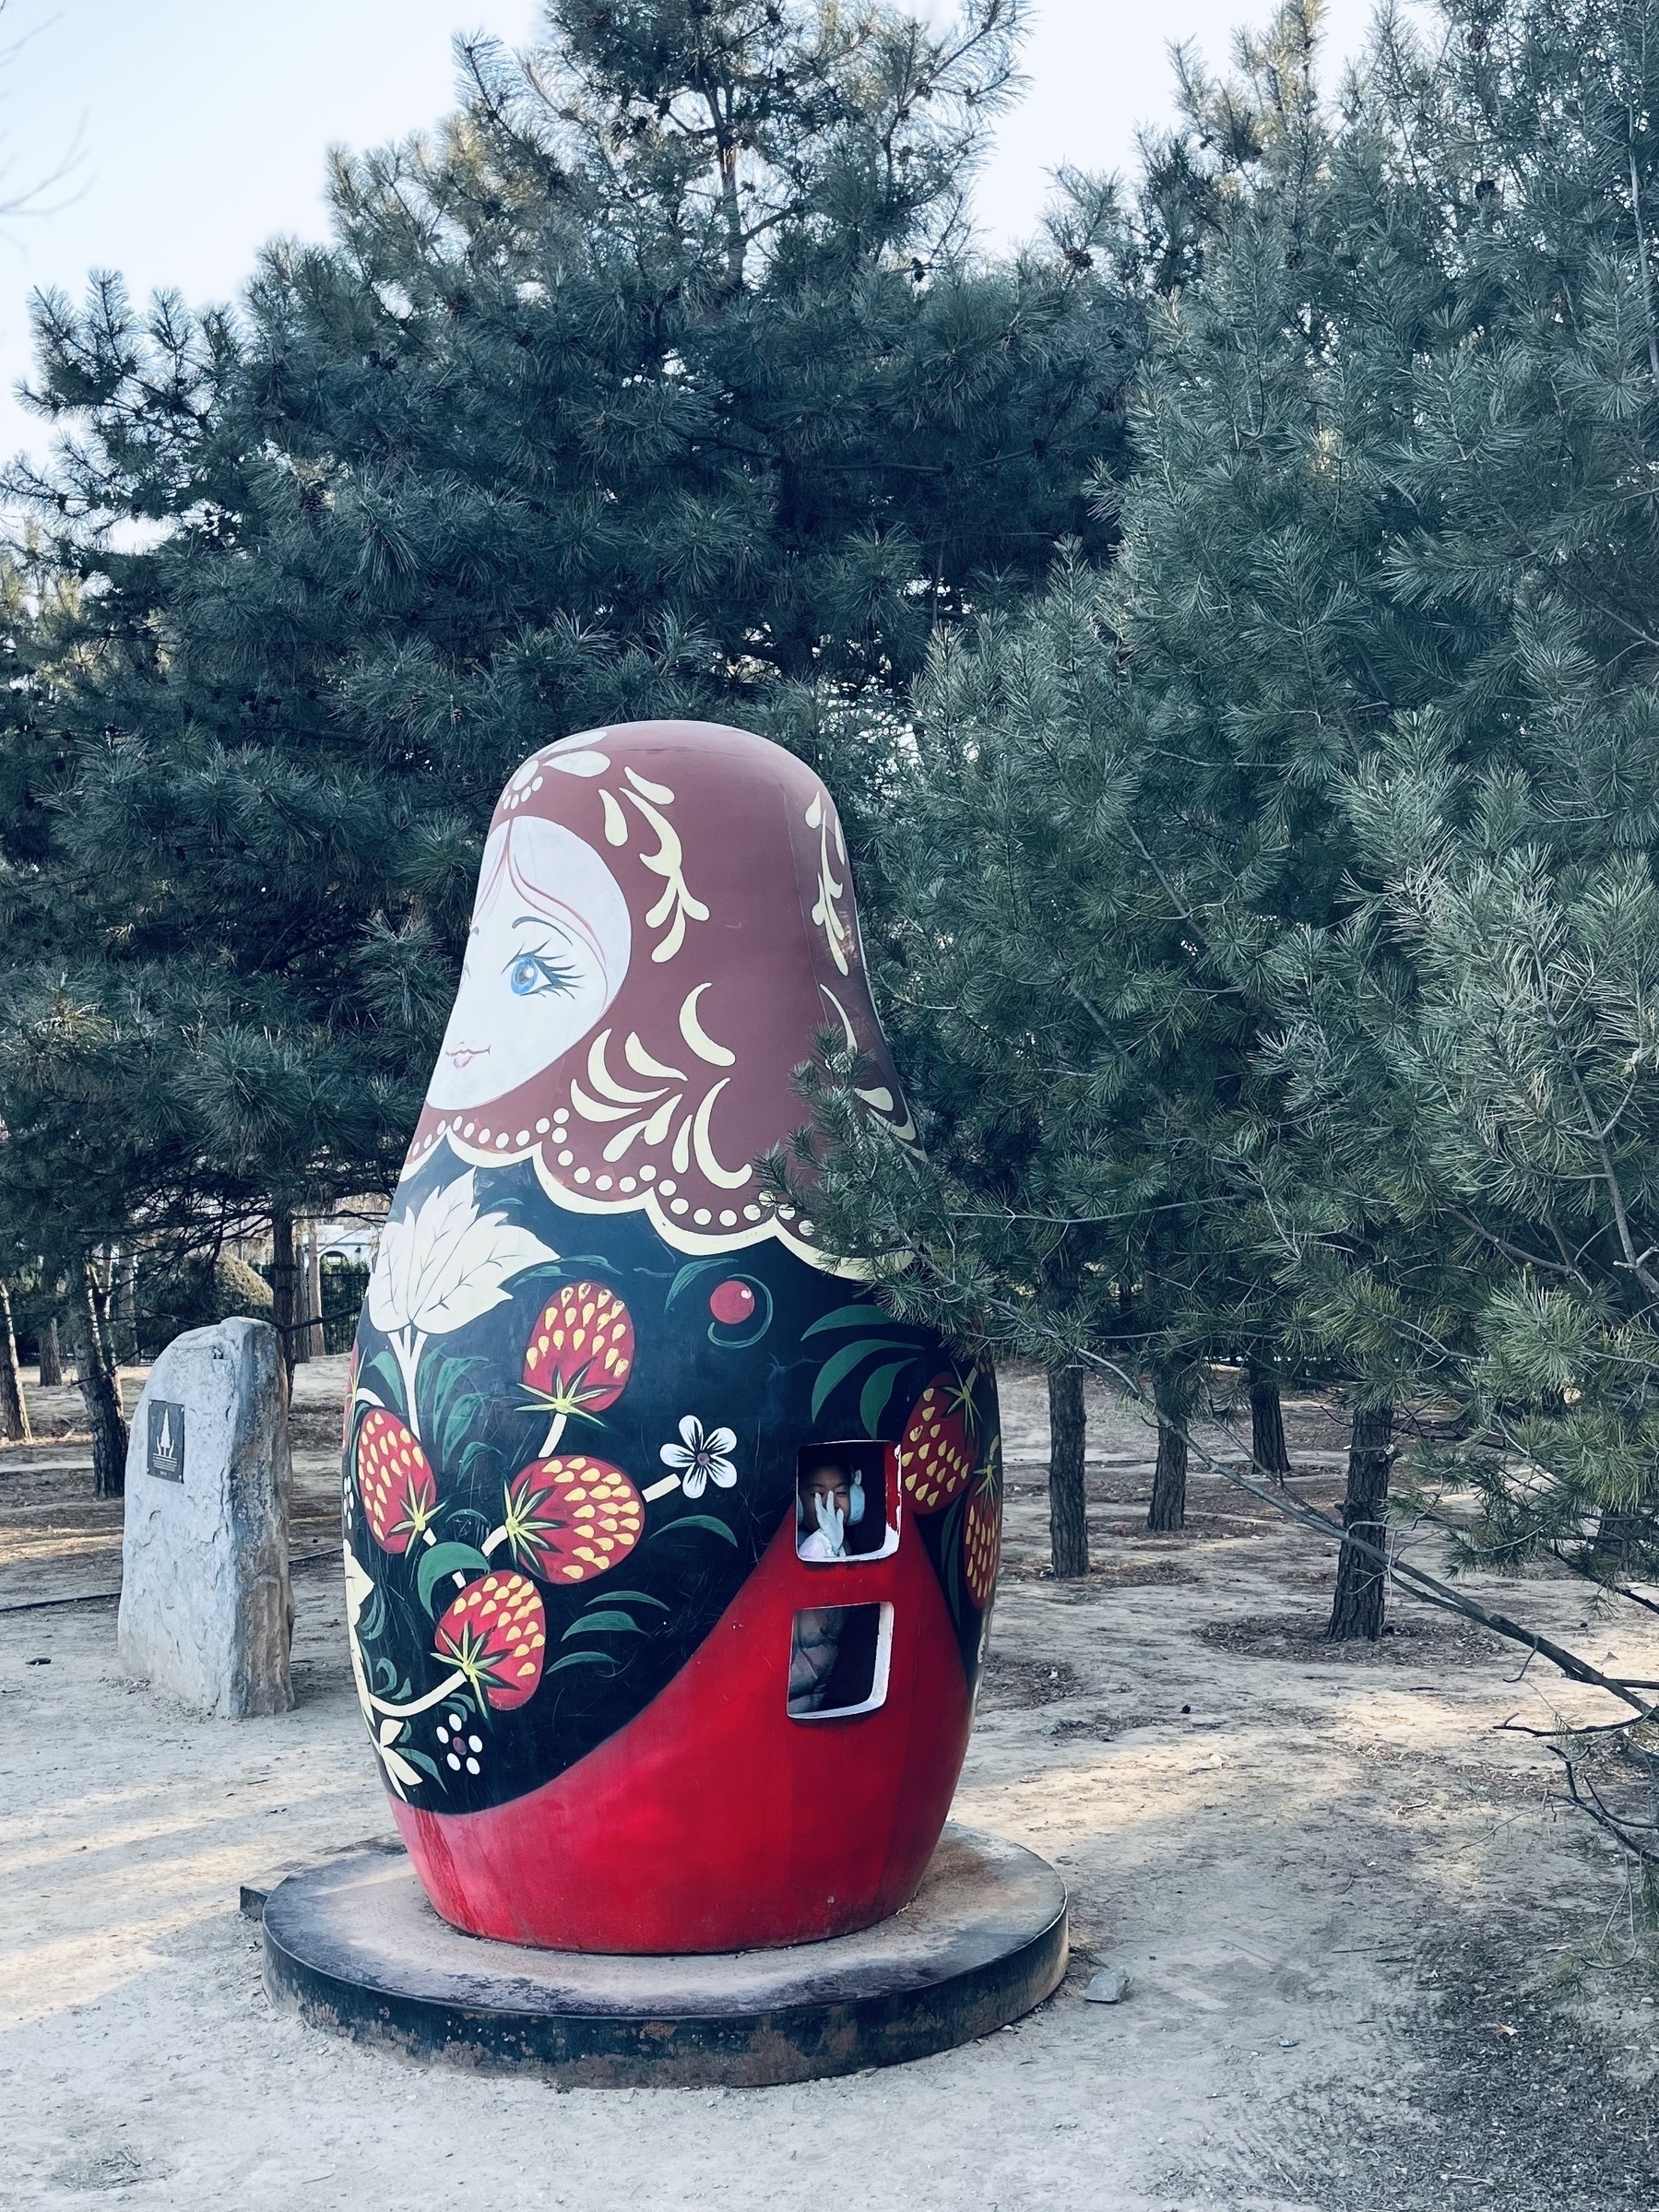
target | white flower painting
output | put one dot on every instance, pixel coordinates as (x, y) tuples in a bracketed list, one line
[(441, 1265), (700, 1458)]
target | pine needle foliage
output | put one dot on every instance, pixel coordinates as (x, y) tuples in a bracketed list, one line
[(1334, 797), (1129, 812), (1499, 976), (661, 379)]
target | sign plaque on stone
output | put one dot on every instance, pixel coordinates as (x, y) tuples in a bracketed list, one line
[(166, 1441), (206, 1607)]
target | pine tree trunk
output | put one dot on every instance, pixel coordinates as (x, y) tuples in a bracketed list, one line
[(1361, 1581), (100, 1389), (52, 1357), (285, 1288), (115, 1315), (300, 1346), (1172, 1394), (314, 1290), (129, 1307), (733, 207), (1068, 1507), (1267, 1425), (14, 1412)]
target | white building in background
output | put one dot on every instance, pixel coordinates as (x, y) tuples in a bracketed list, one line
[(352, 1241)]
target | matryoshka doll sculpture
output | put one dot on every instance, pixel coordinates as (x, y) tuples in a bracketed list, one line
[(668, 1555)]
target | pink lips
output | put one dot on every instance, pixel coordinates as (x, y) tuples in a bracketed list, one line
[(464, 1055)]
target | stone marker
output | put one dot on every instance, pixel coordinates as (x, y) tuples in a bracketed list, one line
[(205, 1608)]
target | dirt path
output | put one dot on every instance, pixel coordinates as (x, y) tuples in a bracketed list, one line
[(1373, 1964)]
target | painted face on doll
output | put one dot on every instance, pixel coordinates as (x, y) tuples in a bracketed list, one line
[(546, 955)]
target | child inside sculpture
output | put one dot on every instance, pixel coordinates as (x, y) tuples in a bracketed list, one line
[(839, 1515), (814, 1646), (835, 1656), (831, 1503)]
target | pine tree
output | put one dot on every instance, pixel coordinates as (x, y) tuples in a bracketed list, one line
[(1127, 812), (1489, 1003), (1068, 1063), (660, 380), (1268, 1448)]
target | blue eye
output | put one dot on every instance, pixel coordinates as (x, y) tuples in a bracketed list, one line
[(530, 973)]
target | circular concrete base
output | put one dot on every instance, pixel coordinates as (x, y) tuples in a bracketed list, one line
[(355, 1946)]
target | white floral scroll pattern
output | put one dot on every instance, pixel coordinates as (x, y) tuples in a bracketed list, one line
[(527, 779), (837, 933), (677, 904), (879, 1098), (656, 1112), (385, 1732)]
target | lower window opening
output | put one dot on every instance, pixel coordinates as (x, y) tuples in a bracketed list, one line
[(838, 1661)]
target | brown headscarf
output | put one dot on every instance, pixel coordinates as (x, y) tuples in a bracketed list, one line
[(739, 941)]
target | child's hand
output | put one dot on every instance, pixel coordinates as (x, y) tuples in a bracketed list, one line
[(832, 1523)]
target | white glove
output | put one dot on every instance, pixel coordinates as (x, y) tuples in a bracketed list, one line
[(832, 1525)]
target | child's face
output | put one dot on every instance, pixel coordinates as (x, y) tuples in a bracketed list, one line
[(832, 1484)]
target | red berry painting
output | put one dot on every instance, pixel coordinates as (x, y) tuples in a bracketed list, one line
[(982, 1530), (731, 1302), (579, 1355), (496, 1636), (395, 1482), (936, 1453), (569, 1518)]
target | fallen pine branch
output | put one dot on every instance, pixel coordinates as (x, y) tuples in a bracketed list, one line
[(1415, 1580)]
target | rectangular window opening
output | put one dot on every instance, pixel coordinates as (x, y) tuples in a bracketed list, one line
[(846, 1501), (839, 1657)]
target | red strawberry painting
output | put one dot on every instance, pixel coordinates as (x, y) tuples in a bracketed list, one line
[(495, 1635), (982, 1534), (579, 1355), (936, 1455), (395, 1481), (569, 1519)]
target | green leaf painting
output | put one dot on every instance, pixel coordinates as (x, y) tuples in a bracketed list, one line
[(441, 1559), (841, 1365)]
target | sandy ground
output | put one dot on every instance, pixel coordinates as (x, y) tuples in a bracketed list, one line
[(1374, 1962)]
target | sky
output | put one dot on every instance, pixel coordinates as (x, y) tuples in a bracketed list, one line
[(183, 134)]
